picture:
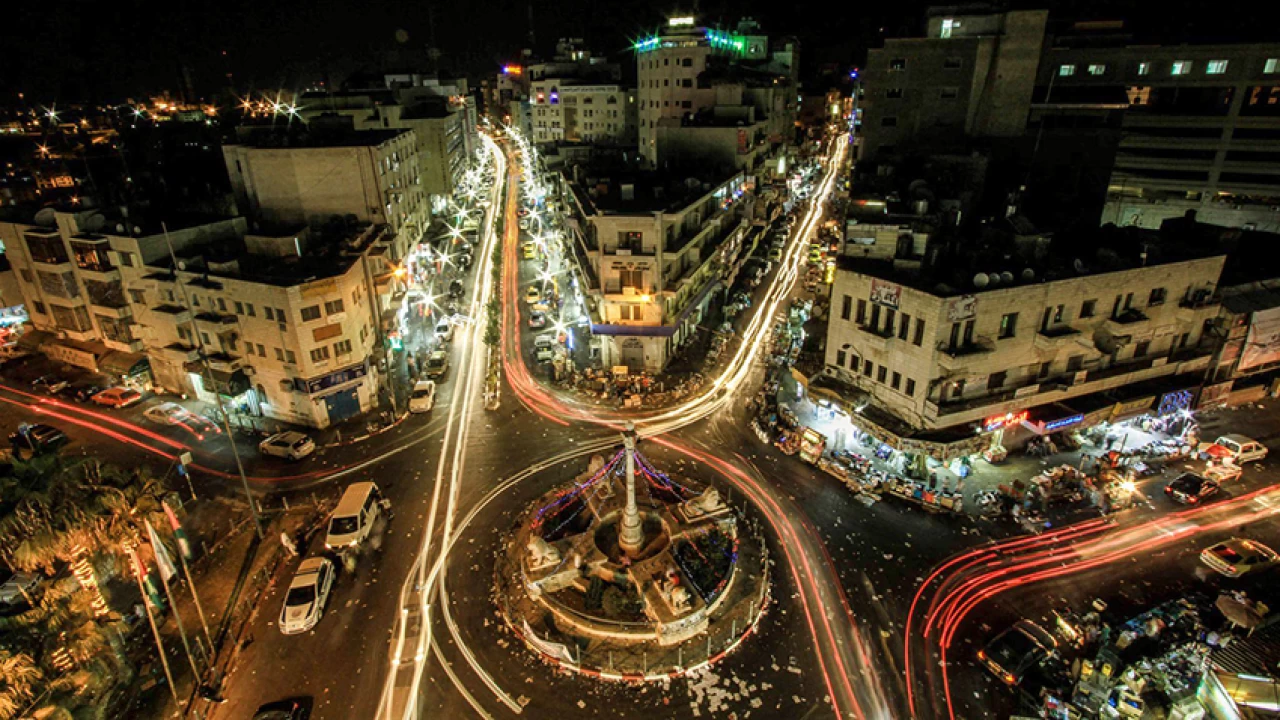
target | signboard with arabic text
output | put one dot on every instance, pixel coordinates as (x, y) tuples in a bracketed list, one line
[(886, 294), (962, 308)]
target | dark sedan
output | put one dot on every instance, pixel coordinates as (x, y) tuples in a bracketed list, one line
[(1191, 489)]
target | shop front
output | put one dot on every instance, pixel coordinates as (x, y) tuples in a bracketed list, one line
[(237, 395), (341, 394), (131, 370)]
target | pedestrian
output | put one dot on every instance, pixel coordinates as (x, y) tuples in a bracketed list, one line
[(288, 543), (933, 481)]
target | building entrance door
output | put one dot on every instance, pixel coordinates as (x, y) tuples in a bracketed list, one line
[(342, 405)]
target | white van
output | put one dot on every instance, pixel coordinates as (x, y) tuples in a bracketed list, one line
[(353, 519), (1242, 449)]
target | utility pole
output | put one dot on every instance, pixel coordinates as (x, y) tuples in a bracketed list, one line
[(204, 359)]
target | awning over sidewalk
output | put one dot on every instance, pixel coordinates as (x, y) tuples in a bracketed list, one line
[(33, 339), (228, 384), (124, 364)]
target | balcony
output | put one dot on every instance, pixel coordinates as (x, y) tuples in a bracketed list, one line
[(959, 356), (110, 308), (215, 322), (175, 313), (225, 362), (87, 335), (1052, 338), (874, 338), (131, 346), (634, 251), (1198, 305), (101, 273), (180, 353), (1126, 321)]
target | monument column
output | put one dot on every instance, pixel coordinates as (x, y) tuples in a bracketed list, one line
[(631, 530)]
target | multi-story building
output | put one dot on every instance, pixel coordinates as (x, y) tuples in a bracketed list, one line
[(972, 75), (690, 71), (281, 324), (310, 176), (937, 358), (654, 250), (1177, 127), (578, 98), (1202, 129)]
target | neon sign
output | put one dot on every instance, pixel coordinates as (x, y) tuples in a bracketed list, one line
[(999, 421), (686, 21), (1063, 422)]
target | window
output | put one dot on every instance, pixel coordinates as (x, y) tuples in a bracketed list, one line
[(126, 259), (898, 64), (919, 339), (686, 104), (952, 63), (889, 121), (333, 306), (262, 350), (279, 354), (290, 358), (686, 82), (996, 380), (1140, 349), (686, 62), (26, 275), (320, 354), (269, 313), (957, 388), (867, 367), (280, 316), (862, 312), (1215, 67), (1271, 66), (248, 310), (39, 307), (1097, 69), (342, 347), (138, 297), (222, 305), (631, 279), (1074, 363), (893, 93), (881, 372), (1066, 70), (903, 326), (1144, 68), (239, 307), (911, 387), (948, 93), (310, 313), (195, 300), (1180, 67), (897, 381), (889, 314), (875, 317), (1087, 308), (1008, 325), (846, 307), (840, 357), (948, 24), (1157, 296), (1045, 368)]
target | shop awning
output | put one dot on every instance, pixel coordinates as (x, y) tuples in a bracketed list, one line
[(124, 364), (33, 339), (228, 384)]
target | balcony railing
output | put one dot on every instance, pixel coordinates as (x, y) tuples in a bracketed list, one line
[(1130, 316), (977, 346)]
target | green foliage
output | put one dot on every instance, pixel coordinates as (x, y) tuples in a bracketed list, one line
[(19, 676)]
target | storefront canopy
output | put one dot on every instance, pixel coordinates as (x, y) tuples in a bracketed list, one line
[(228, 384), (124, 364), (33, 339)]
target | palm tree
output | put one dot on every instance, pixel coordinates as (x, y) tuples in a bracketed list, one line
[(18, 678)]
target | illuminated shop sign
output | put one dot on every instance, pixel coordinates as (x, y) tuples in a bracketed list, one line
[(1006, 420), (1063, 422)]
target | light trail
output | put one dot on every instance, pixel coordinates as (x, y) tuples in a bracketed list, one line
[(967, 580)]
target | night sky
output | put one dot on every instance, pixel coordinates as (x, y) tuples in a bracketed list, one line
[(106, 51)]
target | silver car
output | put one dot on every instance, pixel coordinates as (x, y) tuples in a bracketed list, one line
[(289, 445)]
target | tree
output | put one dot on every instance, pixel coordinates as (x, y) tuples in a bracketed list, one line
[(19, 676)]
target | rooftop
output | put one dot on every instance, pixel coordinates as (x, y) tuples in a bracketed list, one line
[(632, 192), (315, 135)]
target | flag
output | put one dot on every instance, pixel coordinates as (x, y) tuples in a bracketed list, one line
[(163, 561), (184, 545), (148, 582)]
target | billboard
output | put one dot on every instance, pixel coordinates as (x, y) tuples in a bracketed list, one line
[(1262, 345)]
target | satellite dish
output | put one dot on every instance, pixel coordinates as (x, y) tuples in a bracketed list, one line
[(981, 280), (182, 265), (1028, 275), (1078, 264), (137, 230), (46, 217), (1006, 278), (94, 222), (120, 228), (993, 278)]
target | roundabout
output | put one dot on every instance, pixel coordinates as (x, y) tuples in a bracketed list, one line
[(626, 573)]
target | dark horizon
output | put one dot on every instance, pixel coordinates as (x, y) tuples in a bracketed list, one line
[(93, 53)]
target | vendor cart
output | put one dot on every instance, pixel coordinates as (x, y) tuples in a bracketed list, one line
[(812, 444)]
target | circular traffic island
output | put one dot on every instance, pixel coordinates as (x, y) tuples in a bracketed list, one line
[(628, 574)]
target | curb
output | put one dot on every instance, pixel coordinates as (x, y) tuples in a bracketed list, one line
[(366, 436)]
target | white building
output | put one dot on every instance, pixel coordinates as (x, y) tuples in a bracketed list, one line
[(959, 359), (655, 254)]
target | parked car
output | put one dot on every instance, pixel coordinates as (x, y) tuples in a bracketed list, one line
[(85, 393), (37, 438), (290, 445), (168, 413), (455, 289), (1242, 449), (437, 364), (1238, 556), (307, 596), (537, 319), (775, 254), (532, 295), (444, 330), (1012, 653), (353, 519), (117, 397), (423, 397), (1191, 489), (530, 250), (18, 588)]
